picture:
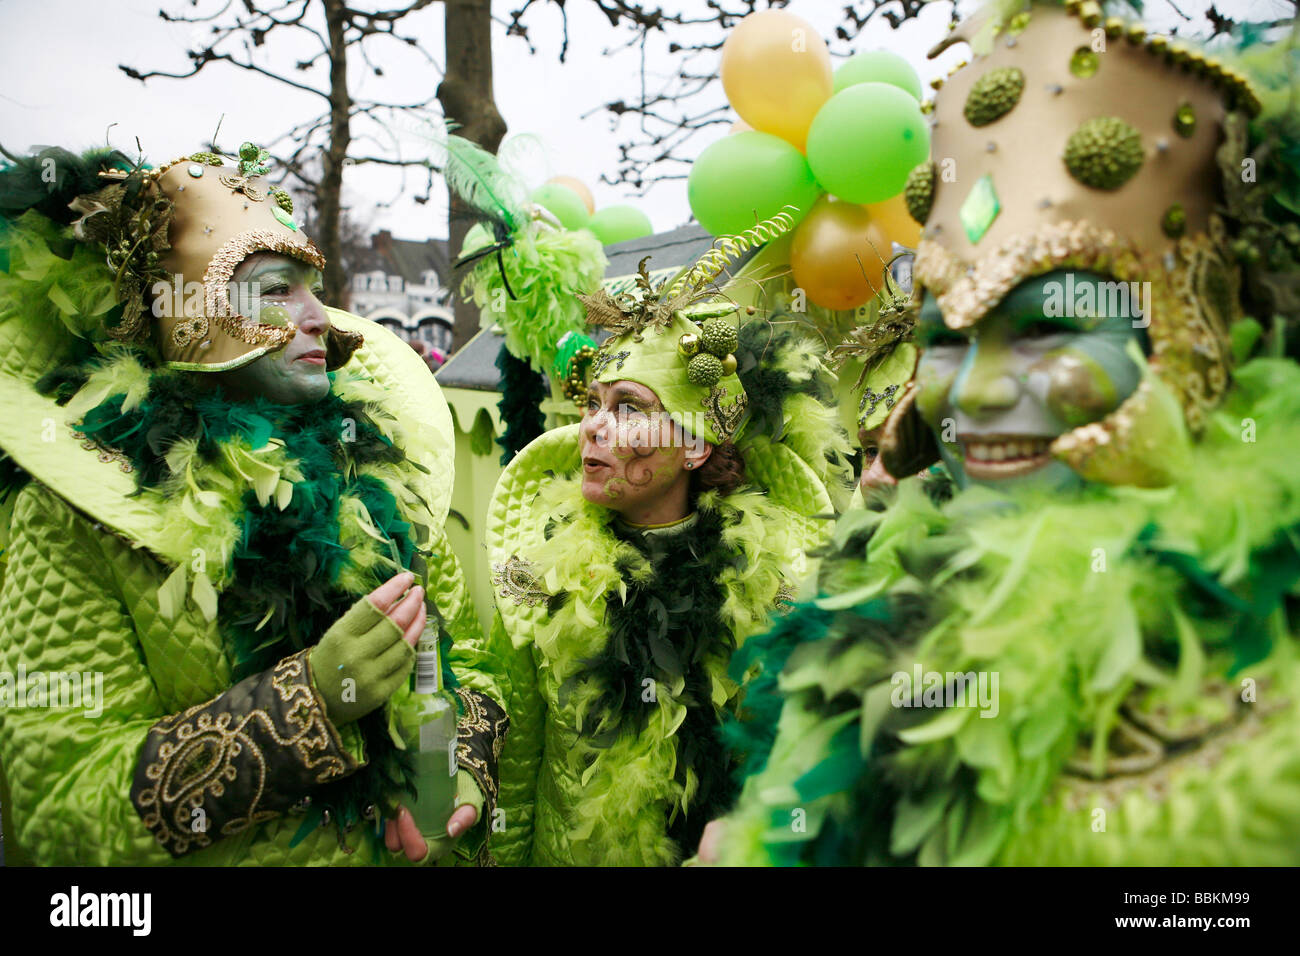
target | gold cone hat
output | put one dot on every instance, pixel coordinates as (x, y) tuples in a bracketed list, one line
[(1076, 142)]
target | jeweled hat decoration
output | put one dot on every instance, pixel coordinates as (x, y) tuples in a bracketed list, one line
[(1081, 142), (657, 343), (884, 349), (192, 222)]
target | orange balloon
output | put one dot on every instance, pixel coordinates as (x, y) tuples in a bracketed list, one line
[(836, 254), (579, 187), (776, 71), (896, 222), (739, 126)]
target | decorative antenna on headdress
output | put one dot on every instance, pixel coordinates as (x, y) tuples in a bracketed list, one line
[(651, 306)]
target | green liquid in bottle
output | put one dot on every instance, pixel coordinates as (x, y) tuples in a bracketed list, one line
[(434, 743)]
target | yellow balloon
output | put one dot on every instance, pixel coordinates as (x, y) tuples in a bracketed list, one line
[(836, 254), (579, 187), (896, 222), (776, 71)]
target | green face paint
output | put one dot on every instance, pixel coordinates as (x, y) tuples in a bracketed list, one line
[(1046, 360), (274, 289)]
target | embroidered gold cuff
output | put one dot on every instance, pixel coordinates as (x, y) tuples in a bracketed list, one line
[(244, 757), (480, 734)]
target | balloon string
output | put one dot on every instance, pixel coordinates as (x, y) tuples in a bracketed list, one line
[(727, 248)]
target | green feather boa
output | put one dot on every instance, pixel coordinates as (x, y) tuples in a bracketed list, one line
[(288, 513), (1115, 609), (640, 775)]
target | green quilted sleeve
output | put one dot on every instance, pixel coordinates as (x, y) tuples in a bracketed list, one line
[(70, 769), (483, 688), (108, 776), (511, 839)]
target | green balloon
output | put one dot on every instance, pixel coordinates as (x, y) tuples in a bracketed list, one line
[(878, 66), (865, 140), (746, 178), (477, 237), (620, 223), (562, 203)]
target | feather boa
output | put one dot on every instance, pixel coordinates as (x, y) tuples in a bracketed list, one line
[(279, 518), (1114, 602), (628, 758), (544, 268)]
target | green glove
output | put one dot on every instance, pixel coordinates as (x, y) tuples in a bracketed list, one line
[(467, 792), (359, 663)]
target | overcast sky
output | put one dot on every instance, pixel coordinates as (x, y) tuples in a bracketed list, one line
[(63, 87)]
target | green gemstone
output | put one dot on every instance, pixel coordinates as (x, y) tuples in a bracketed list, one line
[(1084, 62), (196, 171), (979, 209), (1185, 120), (284, 217), (1016, 25)]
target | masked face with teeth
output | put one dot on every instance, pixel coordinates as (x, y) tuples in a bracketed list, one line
[(1042, 362)]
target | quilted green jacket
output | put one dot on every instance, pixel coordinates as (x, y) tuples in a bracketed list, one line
[(83, 582)]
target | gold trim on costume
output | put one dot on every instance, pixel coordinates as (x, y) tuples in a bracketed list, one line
[(514, 579), (238, 760)]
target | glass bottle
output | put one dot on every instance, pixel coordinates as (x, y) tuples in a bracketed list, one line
[(433, 739)]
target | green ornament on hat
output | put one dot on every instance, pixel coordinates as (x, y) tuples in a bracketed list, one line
[(678, 344), (674, 361)]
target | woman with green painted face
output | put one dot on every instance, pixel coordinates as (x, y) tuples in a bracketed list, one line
[(632, 554), (233, 521), (1086, 653)]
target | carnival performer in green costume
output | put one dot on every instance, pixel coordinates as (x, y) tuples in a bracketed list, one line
[(633, 553), (1088, 653), (222, 528)]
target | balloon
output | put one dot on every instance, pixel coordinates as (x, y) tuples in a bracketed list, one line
[(776, 71), (865, 141), (878, 66), (476, 237), (745, 176), (896, 222), (620, 223), (579, 187), (835, 251), (562, 203), (739, 126)]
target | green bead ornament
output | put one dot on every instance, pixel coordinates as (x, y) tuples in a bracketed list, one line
[(1174, 221), (704, 370), (918, 194), (719, 337), (1084, 62), (1104, 153), (994, 95), (1185, 120)]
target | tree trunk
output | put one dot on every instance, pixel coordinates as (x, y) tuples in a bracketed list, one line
[(466, 97), (329, 191)]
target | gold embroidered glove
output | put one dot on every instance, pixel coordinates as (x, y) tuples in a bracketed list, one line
[(360, 662), (245, 756)]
